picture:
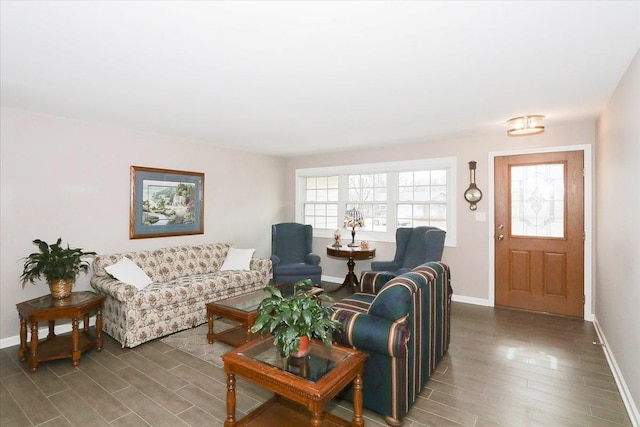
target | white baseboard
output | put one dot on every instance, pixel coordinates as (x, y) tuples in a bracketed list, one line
[(632, 409), (470, 300), (42, 333), (332, 279)]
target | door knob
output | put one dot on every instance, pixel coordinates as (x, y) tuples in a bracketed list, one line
[(500, 236)]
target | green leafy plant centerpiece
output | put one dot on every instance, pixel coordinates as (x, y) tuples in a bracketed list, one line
[(288, 318), (60, 266)]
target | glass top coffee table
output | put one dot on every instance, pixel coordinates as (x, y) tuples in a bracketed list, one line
[(243, 309), (302, 386)]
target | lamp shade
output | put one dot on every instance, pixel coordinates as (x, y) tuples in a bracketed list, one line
[(525, 125), (353, 218)]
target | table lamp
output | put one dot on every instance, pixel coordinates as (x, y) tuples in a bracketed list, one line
[(353, 218)]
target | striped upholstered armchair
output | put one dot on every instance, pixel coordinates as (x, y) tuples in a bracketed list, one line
[(402, 322)]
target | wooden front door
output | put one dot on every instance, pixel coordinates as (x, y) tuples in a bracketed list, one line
[(539, 232)]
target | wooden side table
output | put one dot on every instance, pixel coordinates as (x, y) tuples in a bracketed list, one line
[(79, 305), (350, 253)]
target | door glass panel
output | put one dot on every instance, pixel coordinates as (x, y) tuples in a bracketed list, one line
[(537, 200)]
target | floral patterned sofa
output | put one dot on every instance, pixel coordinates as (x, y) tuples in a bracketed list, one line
[(184, 278)]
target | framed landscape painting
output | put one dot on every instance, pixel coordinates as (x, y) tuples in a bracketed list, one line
[(165, 202)]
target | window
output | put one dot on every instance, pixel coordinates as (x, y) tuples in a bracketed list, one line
[(390, 195), (538, 200), (367, 192), (422, 198), (321, 202)]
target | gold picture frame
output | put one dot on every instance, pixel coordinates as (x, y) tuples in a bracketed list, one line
[(165, 202)]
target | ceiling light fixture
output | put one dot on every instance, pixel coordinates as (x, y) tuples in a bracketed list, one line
[(525, 125)]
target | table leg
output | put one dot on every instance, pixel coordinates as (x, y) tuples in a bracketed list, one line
[(98, 329), (33, 357), (358, 421), (231, 401), (317, 419), (86, 322), (249, 333), (210, 331), (75, 340), (351, 276), (351, 280), (52, 329), (22, 350)]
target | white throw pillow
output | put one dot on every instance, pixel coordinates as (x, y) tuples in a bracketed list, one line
[(128, 272), (237, 259)]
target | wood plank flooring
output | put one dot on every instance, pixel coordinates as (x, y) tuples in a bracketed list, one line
[(503, 368)]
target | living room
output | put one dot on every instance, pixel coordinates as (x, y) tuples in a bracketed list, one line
[(66, 174)]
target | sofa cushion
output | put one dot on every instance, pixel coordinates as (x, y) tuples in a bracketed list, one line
[(237, 259), (128, 272)]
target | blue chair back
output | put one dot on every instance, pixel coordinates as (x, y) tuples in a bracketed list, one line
[(291, 256), (291, 241), (421, 244)]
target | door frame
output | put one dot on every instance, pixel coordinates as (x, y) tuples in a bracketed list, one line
[(588, 218)]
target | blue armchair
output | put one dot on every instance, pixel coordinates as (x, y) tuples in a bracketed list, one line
[(414, 246), (291, 254)]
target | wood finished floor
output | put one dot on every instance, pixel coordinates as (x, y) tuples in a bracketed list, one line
[(503, 368)]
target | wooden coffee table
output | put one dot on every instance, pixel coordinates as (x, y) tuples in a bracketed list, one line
[(242, 309), (302, 386), (79, 305)]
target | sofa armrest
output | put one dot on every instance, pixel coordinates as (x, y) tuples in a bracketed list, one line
[(275, 259), (372, 333), (118, 290), (262, 265), (372, 281), (312, 259), (385, 265)]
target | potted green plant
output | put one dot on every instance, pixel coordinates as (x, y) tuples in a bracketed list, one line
[(60, 266), (294, 320)]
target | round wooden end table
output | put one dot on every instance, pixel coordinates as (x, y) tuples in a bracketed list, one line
[(351, 254)]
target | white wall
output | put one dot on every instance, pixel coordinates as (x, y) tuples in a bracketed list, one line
[(617, 289), (70, 179), (469, 261)]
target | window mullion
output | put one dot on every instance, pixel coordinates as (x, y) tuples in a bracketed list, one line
[(344, 197), (392, 201)]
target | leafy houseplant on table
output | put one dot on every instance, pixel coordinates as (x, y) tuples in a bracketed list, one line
[(294, 319), (60, 266)]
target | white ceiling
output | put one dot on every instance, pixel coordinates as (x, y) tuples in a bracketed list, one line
[(291, 78)]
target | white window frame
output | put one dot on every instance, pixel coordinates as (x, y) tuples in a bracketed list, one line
[(447, 163)]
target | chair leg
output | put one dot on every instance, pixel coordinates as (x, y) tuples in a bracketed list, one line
[(393, 422)]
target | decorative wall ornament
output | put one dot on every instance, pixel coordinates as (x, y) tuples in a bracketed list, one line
[(473, 194)]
